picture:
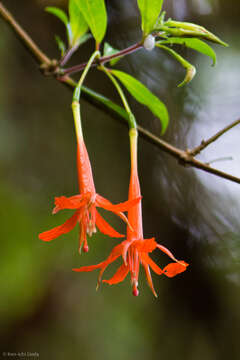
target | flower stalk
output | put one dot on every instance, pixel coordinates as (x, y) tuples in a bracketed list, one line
[(76, 98), (131, 118)]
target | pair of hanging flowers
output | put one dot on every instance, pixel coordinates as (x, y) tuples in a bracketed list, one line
[(134, 250)]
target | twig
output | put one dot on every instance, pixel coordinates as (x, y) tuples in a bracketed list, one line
[(102, 60), (24, 37), (224, 158), (67, 56), (183, 157), (205, 143)]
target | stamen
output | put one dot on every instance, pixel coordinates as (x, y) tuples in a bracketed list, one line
[(91, 228)]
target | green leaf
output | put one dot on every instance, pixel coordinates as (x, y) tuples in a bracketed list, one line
[(61, 45), (58, 13), (94, 12), (84, 38), (77, 22), (109, 50), (160, 20), (194, 44), (191, 70), (177, 28), (150, 10), (144, 96)]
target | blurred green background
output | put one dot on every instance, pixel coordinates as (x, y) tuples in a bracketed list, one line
[(47, 308)]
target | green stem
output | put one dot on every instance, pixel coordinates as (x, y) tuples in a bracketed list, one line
[(77, 120), (131, 119), (77, 91), (76, 98), (133, 137)]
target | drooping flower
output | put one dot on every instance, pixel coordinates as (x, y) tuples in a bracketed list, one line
[(85, 205), (135, 249), (135, 253)]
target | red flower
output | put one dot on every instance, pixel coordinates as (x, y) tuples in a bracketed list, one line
[(135, 249), (135, 253), (85, 205)]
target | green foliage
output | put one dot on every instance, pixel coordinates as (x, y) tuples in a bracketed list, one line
[(194, 44), (84, 38), (109, 50), (58, 13), (77, 22), (191, 71), (94, 12), (183, 29), (76, 26), (144, 96), (84, 14), (150, 10), (61, 45), (61, 15)]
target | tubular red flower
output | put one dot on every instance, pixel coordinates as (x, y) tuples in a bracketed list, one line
[(86, 204)]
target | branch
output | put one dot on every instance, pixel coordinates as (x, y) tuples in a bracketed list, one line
[(24, 37), (104, 59), (184, 157), (205, 143)]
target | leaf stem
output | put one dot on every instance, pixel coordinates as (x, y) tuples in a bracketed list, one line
[(131, 119)]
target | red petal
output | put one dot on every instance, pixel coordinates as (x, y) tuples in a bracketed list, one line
[(151, 263), (149, 278), (85, 177), (124, 218), (89, 268), (61, 229), (104, 203), (107, 205), (166, 251), (125, 250), (119, 276), (73, 202), (173, 269), (145, 245), (105, 228), (116, 252), (124, 206)]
